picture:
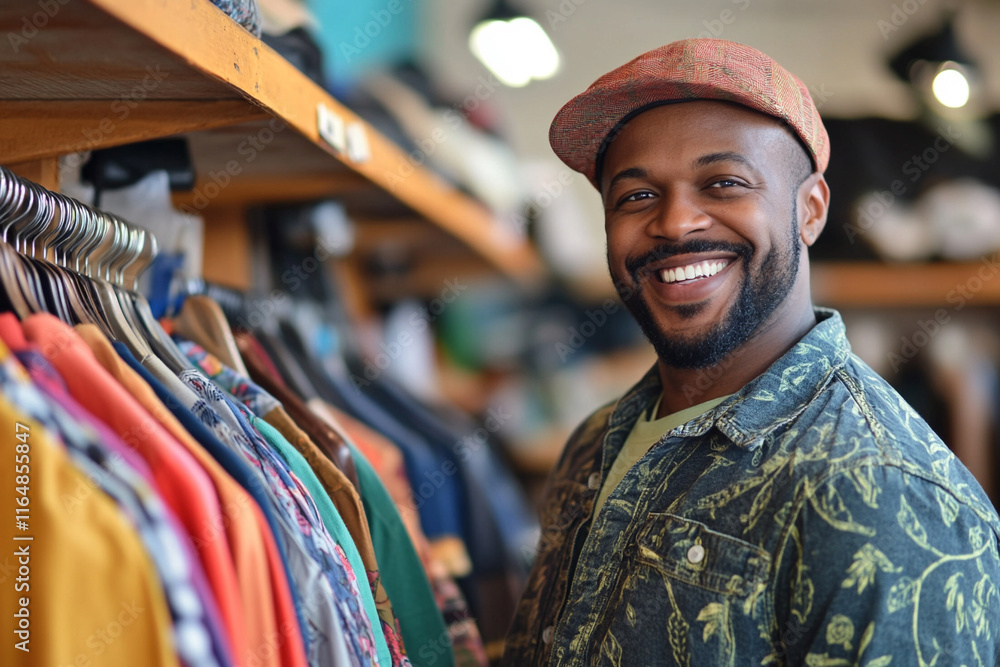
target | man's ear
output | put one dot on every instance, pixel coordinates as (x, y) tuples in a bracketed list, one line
[(814, 204)]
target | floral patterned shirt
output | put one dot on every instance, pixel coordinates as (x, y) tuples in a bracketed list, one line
[(812, 518)]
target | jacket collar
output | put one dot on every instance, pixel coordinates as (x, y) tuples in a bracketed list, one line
[(768, 401)]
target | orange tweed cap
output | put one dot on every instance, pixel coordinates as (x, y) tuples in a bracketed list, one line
[(690, 69)]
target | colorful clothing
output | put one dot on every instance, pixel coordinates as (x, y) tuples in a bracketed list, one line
[(246, 531), (89, 569), (178, 479), (331, 587), (346, 504), (813, 518), (286, 644)]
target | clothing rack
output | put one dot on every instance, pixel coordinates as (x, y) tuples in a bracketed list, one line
[(227, 507), (71, 234)]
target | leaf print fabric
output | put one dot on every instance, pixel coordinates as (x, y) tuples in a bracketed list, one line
[(833, 528)]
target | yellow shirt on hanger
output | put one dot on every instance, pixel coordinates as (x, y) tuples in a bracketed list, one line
[(92, 595), (645, 433)]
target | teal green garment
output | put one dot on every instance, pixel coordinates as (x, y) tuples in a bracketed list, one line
[(424, 633), (334, 525)]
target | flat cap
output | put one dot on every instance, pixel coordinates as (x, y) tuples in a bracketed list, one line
[(690, 69)]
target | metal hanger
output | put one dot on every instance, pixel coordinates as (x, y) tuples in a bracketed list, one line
[(61, 256)]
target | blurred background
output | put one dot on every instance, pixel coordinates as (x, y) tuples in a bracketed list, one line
[(909, 92), (474, 275)]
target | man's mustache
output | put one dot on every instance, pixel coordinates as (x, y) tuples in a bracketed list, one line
[(638, 267)]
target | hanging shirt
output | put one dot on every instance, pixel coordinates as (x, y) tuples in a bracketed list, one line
[(404, 577), (334, 638), (347, 506), (256, 617), (199, 634), (179, 480), (386, 461), (393, 653), (290, 640), (90, 576)]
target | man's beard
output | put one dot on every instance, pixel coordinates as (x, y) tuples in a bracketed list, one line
[(760, 294)]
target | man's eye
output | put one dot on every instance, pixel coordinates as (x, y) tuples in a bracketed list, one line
[(725, 183), (635, 196)]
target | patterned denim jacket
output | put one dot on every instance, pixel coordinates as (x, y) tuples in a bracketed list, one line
[(812, 518)]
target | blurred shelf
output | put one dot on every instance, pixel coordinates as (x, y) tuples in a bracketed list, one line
[(88, 74), (923, 285)]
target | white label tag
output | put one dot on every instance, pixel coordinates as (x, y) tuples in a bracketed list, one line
[(331, 127), (357, 143)]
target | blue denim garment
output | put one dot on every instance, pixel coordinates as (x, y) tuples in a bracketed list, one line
[(813, 518)]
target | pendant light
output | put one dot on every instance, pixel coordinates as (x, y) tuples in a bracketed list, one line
[(513, 46)]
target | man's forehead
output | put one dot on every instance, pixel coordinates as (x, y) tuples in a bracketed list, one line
[(707, 127)]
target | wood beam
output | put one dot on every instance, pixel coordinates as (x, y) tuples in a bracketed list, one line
[(44, 171), (226, 259), (34, 129)]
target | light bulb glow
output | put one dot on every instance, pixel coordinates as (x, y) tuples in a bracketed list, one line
[(951, 88), (516, 51)]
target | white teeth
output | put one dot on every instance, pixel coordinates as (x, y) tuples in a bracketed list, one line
[(699, 270)]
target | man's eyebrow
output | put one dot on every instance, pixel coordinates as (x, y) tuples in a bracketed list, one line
[(724, 156), (631, 172)]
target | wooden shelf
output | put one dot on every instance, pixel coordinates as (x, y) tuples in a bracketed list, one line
[(101, 73), (922, 285)]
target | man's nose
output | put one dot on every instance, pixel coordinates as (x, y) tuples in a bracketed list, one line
[(678, 216)]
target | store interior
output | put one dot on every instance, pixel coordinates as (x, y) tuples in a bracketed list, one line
[(374, 201)]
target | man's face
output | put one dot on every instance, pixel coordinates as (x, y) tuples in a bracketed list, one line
[(701, 220)]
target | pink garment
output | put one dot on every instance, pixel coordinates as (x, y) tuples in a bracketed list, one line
[(180, 481)]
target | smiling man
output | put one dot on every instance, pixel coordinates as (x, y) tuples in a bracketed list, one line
[(761, 496)]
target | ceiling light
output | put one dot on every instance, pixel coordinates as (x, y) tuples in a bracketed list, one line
[(951, 88), (513, 47)]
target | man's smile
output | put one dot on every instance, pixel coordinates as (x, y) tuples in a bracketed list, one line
[(687, 279), (694, 271)]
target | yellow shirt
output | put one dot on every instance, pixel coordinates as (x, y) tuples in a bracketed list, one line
[(645, 433), (92, 594)]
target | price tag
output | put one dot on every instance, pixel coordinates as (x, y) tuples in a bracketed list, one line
[(357, 142), (331, 127)]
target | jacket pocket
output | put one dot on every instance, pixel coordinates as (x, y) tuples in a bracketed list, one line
[(685, 596), (693, 553)]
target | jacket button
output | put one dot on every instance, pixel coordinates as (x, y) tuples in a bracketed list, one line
[(547, 634), (594, 481), (696, 554)]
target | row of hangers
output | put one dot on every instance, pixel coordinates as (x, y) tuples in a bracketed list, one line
[(61, 256)]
